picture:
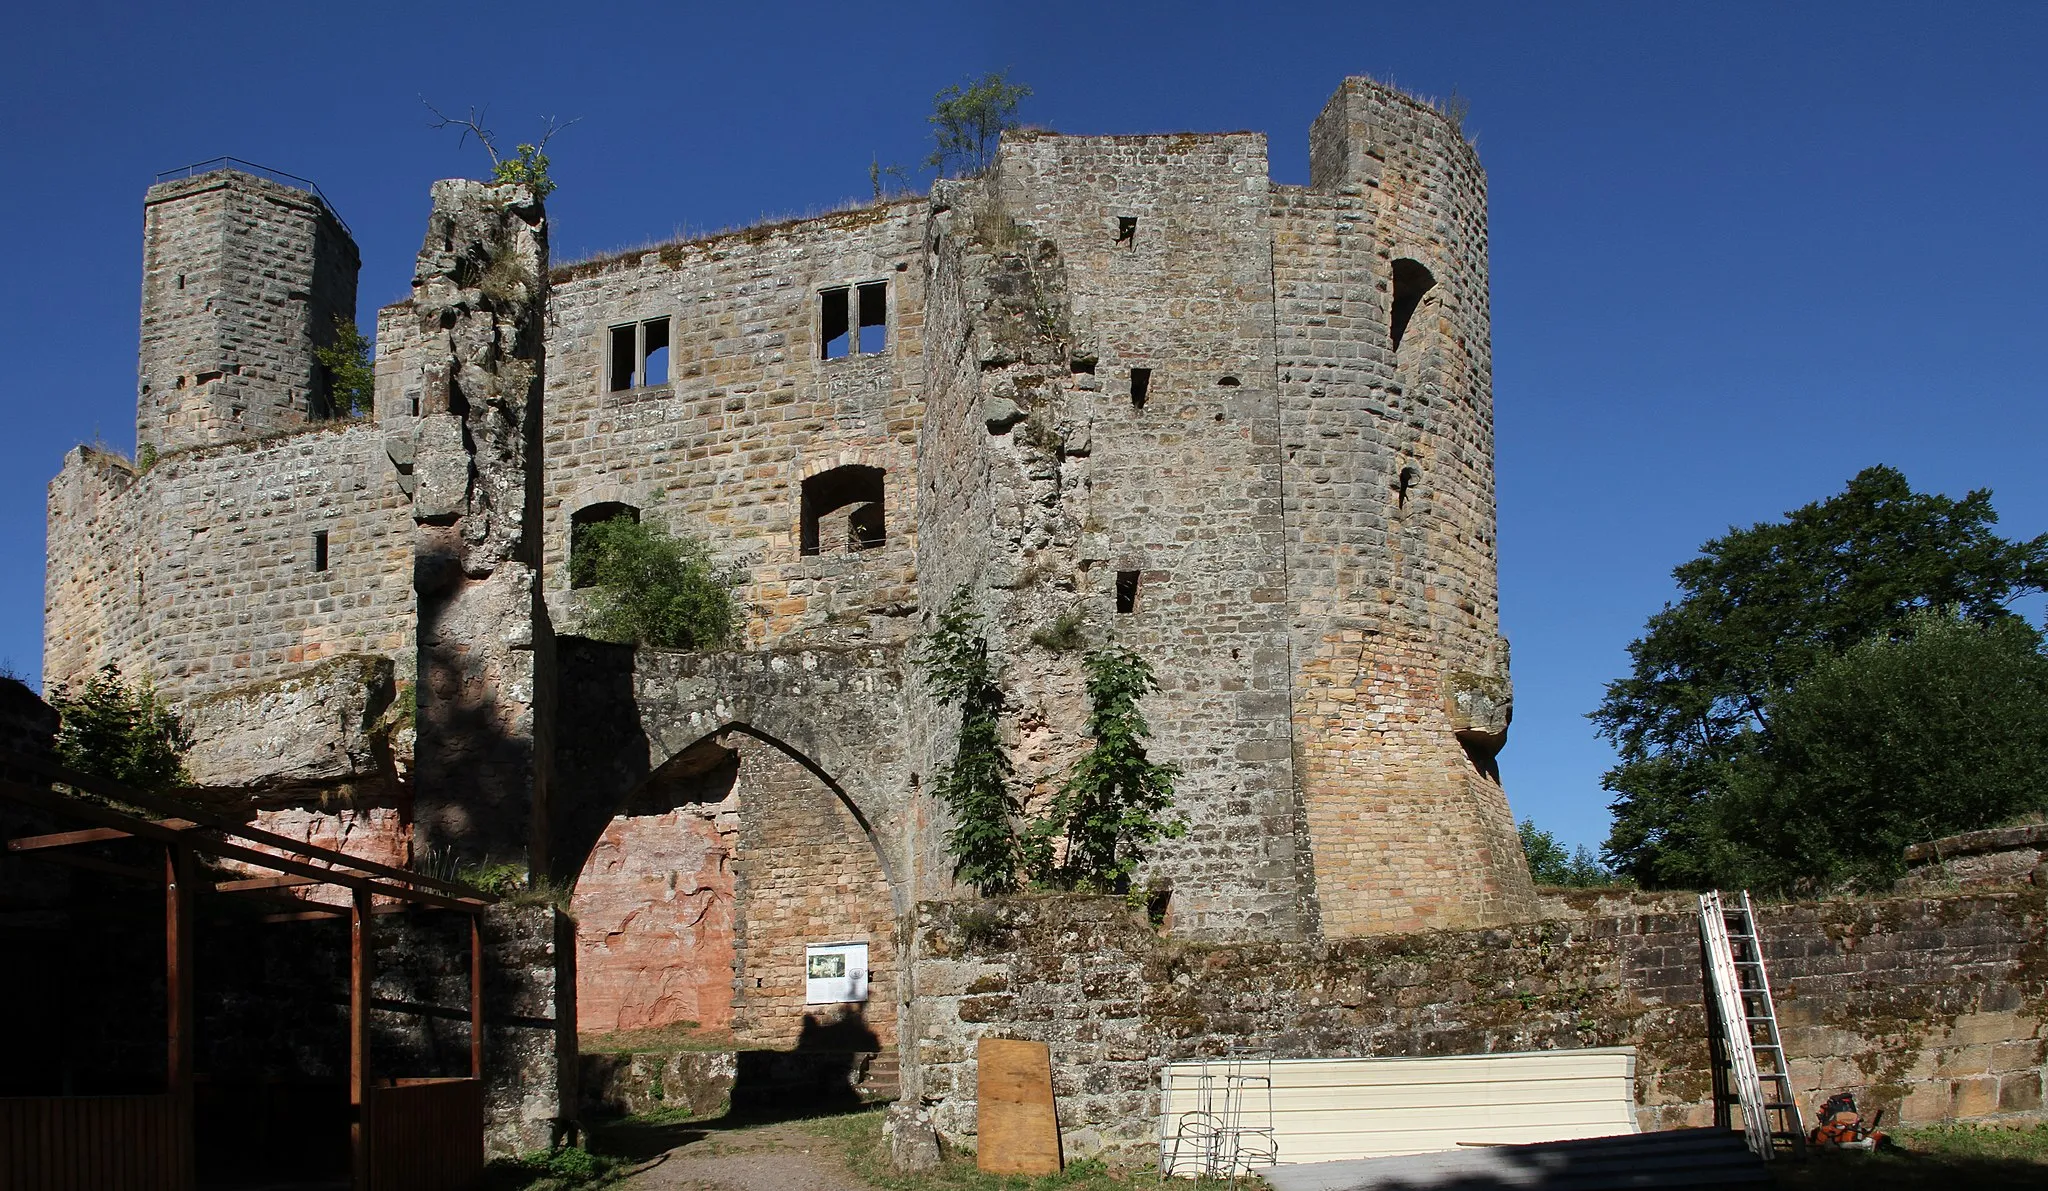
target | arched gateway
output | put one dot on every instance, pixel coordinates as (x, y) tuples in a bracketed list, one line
[(735, 882)]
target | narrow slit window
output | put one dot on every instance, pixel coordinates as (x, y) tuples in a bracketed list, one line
[(1411, 282), (319, 549), (1127, 230), (874, 318), (834, 320), (1126, 591), (1141, 386)]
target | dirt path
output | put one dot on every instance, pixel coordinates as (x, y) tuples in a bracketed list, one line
[(784, 1157)]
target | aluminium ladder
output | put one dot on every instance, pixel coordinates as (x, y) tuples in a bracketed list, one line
[(1742, 1030)]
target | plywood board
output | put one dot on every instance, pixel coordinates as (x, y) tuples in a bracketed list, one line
[(1331, 1109), (1019, 1132)]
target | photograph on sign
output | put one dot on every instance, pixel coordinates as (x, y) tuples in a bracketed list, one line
[(835, 972)]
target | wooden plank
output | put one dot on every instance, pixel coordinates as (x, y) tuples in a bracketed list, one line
[(360, 1092), (243, 886), (110, 789), (65, 839), (1017, 1127), (476, 998), (181, 892)]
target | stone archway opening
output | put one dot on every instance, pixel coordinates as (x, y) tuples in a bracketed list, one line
[(721, 890)]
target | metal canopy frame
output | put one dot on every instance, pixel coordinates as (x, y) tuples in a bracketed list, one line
[(187, 832)]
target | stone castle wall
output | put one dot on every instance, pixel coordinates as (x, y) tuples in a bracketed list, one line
[(200, 574), (1931, 1009), (751, 409)]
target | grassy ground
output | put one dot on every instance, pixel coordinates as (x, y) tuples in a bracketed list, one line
[(1945, 1157)]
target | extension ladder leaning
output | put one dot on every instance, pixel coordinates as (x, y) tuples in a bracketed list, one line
[(1742, 1030)]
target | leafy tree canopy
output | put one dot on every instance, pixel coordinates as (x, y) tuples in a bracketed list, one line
[(1934, 730), (652, 587), (116, 730), (351, 379), (1551, 864), (968, 122), (1759, 610)]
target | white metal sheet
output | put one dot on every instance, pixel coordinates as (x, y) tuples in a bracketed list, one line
[(1330, 1109)]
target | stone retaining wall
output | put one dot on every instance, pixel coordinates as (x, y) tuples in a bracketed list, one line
[(1931, 1008)]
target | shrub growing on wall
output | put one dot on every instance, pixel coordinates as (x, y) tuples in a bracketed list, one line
[(116, 730), (1111, 810), (651, 587), (976, 786)]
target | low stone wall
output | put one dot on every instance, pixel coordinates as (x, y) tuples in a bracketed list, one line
[(2003, 856), (1932, 1008), (710, 1082)]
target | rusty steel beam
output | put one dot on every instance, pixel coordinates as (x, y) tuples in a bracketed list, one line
[(164, 806)]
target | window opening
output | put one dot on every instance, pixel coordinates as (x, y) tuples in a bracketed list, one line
[(1407, 480), (1083, 365), (582, 559), (1228, 382), (832, 329), (874, 318), (1127, 230), (1127, 591), (1411, 282), (319, 549), (1141, 386), (639, 355), (843, 511)]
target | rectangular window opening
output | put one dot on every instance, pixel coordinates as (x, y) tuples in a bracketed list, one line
[(624, 351), (874, 318), (1127, 230), (1126, 591), (1141, 386), (654, 352), (834, 323), (319, 549)]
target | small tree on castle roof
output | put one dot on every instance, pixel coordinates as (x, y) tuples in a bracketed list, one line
[(968, 123), (528, 164)]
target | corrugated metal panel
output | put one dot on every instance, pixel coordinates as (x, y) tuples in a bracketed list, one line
[(1330, 1109), (1631, 1162)]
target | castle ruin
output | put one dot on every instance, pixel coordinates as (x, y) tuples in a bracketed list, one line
[(1244, 427)]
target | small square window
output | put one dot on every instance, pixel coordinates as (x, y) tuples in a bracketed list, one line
[(1141, 386), (1127, 591), (1127, 230), (639, 355), (319, 549)]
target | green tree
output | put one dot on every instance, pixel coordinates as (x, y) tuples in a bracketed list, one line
[(968, 122), (116, 730), (651, 587), (1550, 864), (1107, 816), (1908, 737), (1759, 610), (351, 379), (976, 786)]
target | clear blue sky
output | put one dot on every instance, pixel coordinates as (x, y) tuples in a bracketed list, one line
[(1739, 251)]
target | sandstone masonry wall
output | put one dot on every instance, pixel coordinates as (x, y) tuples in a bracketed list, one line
[(1932, 1009), (201, 573), (1390, 561), (749, 411), (241, 277)]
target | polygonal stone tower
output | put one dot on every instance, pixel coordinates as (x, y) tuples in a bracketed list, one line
[(242, 277)]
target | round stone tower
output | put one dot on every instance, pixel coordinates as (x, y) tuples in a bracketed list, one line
[(1401, 693)]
